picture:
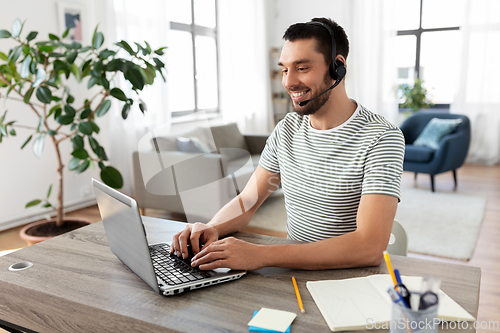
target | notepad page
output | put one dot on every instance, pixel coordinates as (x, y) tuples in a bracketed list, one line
[(448, 309), (349, 304)]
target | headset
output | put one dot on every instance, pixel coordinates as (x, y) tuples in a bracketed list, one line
[(337, 68)]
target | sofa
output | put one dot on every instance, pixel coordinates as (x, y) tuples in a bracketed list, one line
[(196, 173)]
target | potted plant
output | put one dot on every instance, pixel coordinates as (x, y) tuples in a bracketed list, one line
[(37, 73), (414, 98)]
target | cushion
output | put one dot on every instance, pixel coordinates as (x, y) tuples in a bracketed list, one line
[(229, 136), (418, 154), (191, 145), (435, 130), (166, 143)]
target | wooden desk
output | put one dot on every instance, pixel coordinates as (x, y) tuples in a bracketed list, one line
[(77, 285)]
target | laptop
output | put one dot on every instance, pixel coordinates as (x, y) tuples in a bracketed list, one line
[(165, 273)]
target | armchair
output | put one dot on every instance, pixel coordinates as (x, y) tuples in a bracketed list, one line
[(449, 156)]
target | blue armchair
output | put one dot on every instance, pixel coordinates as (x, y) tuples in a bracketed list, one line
[(448, 157)]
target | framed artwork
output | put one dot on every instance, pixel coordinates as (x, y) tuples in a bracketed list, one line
[(71, 15)]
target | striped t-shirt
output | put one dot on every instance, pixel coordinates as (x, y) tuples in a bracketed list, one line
[(325, 172)]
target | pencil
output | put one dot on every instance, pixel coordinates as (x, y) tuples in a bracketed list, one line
[(299, 299), (389, 267)]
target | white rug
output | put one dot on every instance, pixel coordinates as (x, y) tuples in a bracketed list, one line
[(441, 224), (438, 224)]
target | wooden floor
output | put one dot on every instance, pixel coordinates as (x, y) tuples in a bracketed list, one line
[(472, 179)]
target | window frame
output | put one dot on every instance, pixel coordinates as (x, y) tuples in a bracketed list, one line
[(198, 30), (418, 34)]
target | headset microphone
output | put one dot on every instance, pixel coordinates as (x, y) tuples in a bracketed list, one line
[(304, 103)]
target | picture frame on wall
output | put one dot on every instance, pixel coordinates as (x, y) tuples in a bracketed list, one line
[(71, 15)]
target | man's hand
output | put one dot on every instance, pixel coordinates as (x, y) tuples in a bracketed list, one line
[(229, 253), (193, 234)]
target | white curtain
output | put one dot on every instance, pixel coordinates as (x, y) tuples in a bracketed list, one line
[(137, 21), (372, 76), (478, 93), (245, 96)]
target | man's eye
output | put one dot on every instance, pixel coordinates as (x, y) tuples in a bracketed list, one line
[(302, 68), (284, 71)]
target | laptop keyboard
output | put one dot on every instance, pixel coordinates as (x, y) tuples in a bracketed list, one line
[(172, 269)]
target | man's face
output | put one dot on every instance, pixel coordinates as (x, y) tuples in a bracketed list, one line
[(305, 75)]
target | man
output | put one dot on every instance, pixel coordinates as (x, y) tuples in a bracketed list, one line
[(339, 164)]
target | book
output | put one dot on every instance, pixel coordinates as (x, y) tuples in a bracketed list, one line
[(358, 303)]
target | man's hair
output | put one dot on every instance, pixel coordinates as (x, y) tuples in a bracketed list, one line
[(299, 31)]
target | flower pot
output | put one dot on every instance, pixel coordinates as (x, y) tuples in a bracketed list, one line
[(42, 230)]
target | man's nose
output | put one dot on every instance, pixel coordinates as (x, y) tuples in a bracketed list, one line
[(290, 80)]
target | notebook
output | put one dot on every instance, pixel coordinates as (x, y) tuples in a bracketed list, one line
[(165, 273), (354, 304)]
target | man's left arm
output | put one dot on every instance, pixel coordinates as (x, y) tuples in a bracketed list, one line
[(362, 247)]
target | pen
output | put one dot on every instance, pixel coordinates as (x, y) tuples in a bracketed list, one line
[(299, 299), (398, 277), (389, 267)]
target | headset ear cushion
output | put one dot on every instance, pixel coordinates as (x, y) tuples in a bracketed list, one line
[(340, 69)]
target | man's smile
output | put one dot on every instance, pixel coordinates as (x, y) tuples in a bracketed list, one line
[(298, 95)]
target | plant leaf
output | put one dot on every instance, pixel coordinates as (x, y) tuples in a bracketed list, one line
[(28, 94), (71, 57), (103, 108), (80, 153), (134, 76), (85, 128), (14, 55), (76, 71), (124, 45), (69, 110), (17, 26), (38, 145), (92, 81), (4, 34), (125, 110), (112, 177), (65, 119), (143, 106), (44, 95), (51, 132), (119, 94), (25, 67), (85, 113), (32, 35), (65, 33), (50, 190), (95, 127), (77, 142), (160, 50), (40, 77), (3, 56), (97, 40), (73, 163), (26, 142), (82, 167), (53, 37), (33, 203)]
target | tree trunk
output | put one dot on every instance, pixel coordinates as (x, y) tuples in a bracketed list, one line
[(60, 168)]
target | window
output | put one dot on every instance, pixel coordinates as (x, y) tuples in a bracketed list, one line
[(192, 57), (428, 45)]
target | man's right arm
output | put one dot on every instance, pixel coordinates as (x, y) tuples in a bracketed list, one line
[(233, 217)]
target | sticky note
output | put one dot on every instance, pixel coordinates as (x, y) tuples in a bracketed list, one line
[(258, 329), (275, 320)]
